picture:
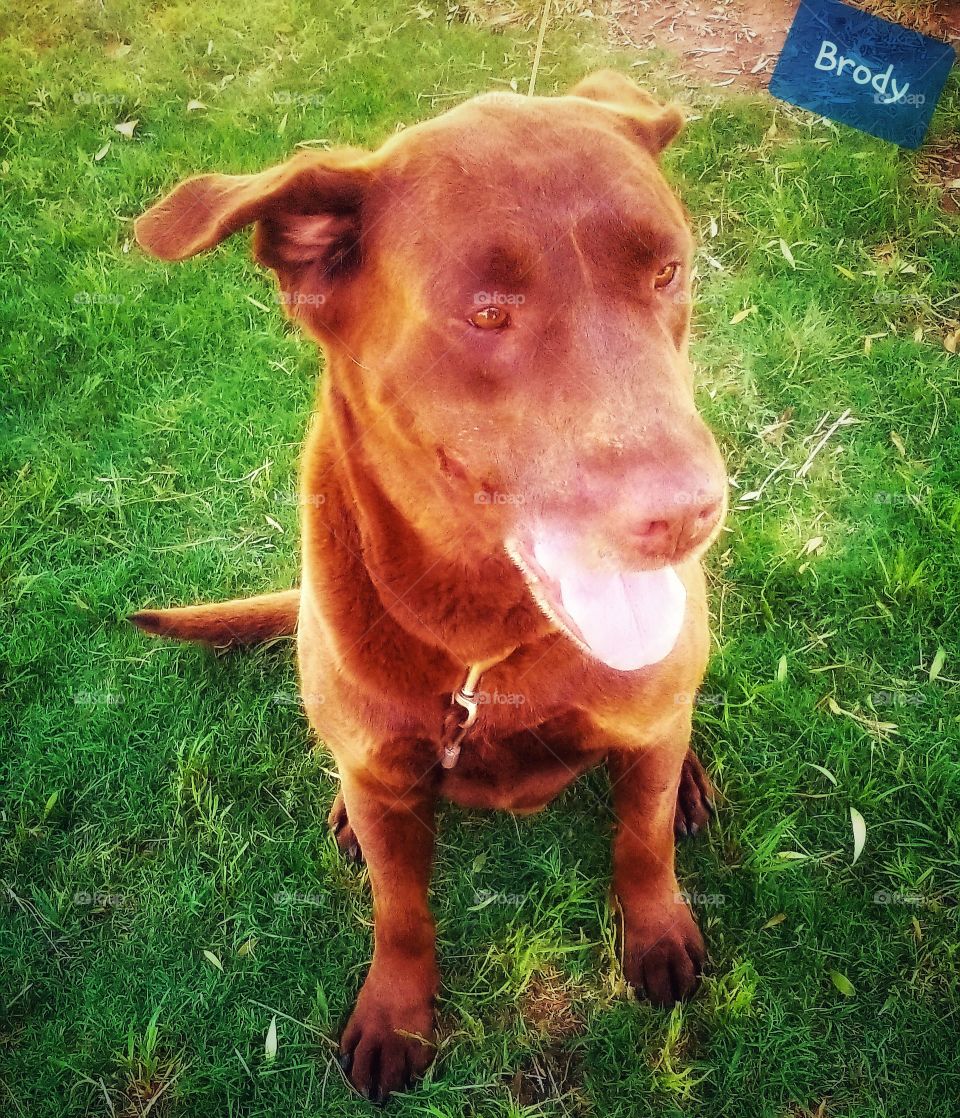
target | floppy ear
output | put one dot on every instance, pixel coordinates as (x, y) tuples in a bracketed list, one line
[(652, 122), (307, 212)]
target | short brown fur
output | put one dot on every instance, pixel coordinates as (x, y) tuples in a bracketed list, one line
[(433, 444)]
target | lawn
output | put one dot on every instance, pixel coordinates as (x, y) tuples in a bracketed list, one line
[(167, 885)]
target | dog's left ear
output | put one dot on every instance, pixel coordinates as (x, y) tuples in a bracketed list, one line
[(652, 122)]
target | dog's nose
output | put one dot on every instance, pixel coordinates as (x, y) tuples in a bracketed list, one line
[(675, 525)]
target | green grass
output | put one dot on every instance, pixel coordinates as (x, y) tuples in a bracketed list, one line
[(151, 423)]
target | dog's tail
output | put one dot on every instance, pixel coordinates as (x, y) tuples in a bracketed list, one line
[(242, 621)]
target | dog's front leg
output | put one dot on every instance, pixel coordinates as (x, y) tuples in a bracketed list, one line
[(663, 951), (389, 1039)]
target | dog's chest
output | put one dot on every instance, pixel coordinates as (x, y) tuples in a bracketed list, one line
[(519, 771)]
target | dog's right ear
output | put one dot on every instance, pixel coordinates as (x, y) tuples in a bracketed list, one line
[(307, 212)]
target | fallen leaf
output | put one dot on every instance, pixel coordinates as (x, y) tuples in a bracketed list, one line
[(898, 443), (812, 545), (102, 152), (951, 341), (859, 833), (918, 334), (792, 856), (787, 254), (938, 661), (274, 523), (195, 106), (842, 983), (845, 272), (741, 315), (774, 921), (870, 723), (782, 669), (117, 50), (773, 432), (825, 772), (247, 947), (270, 1043), (843, 420), (213, 960), (126, 129), (50, 804)]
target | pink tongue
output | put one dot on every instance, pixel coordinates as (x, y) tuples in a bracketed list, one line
[(627, 619)]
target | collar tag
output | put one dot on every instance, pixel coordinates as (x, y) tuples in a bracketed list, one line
[(457, 722)]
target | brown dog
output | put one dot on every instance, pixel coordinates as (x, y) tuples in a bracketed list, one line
[(506, 477)]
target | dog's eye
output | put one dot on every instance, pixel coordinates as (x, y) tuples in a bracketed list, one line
[(490, 318), (665, 276)]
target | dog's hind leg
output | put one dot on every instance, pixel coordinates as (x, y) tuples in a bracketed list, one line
[(339, 823), (695, 803)]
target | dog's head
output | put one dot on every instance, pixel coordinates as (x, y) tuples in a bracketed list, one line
[(503, 294)]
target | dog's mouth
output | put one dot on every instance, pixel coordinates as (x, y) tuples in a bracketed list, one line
[(626, 619)]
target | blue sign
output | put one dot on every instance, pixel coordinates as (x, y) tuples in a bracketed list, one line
[(860, 70)]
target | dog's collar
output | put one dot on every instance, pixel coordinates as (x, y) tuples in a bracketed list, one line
[(464, 707)]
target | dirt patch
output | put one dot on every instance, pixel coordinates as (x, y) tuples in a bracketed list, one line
[(939, 18), (939, 165), (547, 1006), (147, 1096), (737, 42), (552, 1074), (717, 42)]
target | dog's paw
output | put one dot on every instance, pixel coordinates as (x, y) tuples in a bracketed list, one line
[(386, 1047), (694, 799), (662, 950), (339, 824)]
